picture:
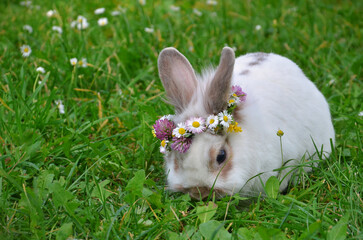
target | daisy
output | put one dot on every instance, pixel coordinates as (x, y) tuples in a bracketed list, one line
[(142, 2), (180, 130), (115, 13), (60, 106), (80, 23), (225, 118), (57, 29), (28, 28), (149, 30), (212, 2), (25, 50), (232, 102), (195, 125), (197, 12), (174, 8), (83, 62), (212, 122), (258, 27), (99, 11), (51, 13), (163, 146), (26, 3), (102, 22), (169, 117), (40, 70), (73, 61)]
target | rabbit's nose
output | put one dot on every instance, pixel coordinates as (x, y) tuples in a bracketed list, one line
[(199, 192)]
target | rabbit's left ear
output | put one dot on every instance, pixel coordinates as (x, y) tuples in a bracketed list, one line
[(219, 89)]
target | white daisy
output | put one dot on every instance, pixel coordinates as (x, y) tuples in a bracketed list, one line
[(40, 70), (51, 13), (258, 27), (197, 12), (360, 114), (225, 118), (174, 8), (149, 30), (180, 130), (169, 117), (57, 29), (83, 62), (212, 122), (80, 23), (232, 101), (196, 125), (212, 2), (163, 146), (25, 50), (115, 13), (99, 11), (26, 3), (28, 28), (60, 106), (73, 61), (102, 21), (142, 2)]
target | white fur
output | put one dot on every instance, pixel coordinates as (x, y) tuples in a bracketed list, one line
[(279, 96)]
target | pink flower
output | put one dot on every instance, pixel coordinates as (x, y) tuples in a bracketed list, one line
[(164, 129), (237, 92), (181, 144)]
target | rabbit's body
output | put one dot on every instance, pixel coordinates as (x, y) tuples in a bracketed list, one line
[(279, 97)]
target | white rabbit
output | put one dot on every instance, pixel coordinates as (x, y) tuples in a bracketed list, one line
[(279, 97)]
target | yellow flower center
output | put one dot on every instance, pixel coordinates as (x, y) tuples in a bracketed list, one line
[(163, 143), (225, 118), (26, 49), (231, 101), (80, 62), (195, 124), (234, 95), (181, 131), (80, 20), (280, 133), (211, 121)]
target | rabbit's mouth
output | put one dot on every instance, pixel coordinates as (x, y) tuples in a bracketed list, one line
[(201, 193)]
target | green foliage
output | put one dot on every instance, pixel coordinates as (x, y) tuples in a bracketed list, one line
[(95, 171)]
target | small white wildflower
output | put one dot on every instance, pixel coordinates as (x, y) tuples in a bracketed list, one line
[(102, 21), (57, 29), (80, 23), (163, 146), (99, 11), (26, 3), (180, 130), (360, 114), (212, 122), (73, 61), (331, 82), (258, 27), (83, 62), (225, 118), (28, 28), (51, 13), (115, 13), (60, 106), (212, 2), (169, 117), (25, 50), (40, 70), (142, 2), (174, 8), (145, 223), (149, 30), (195, 125), (197, 12)]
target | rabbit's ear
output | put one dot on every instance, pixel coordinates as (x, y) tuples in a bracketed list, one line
[(178, 77), (219, 89)]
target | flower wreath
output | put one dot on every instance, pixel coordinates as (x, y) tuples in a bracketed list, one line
[(179, 137)]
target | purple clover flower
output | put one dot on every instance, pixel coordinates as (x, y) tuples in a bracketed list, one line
[(238, 91), (181, 144), (164, 129)]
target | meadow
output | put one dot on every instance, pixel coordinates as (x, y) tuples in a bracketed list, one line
[(77, 156)]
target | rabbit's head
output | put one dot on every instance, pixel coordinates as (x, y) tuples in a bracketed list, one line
[(206, 160)]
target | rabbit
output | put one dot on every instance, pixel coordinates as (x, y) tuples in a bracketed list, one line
[(278, 97)]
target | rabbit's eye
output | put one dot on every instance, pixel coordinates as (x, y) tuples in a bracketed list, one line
[(221, 156)]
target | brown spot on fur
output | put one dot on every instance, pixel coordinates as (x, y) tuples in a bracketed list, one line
[(228, 164), (259, 57), (176, 165), (245, 72), (212, 157)]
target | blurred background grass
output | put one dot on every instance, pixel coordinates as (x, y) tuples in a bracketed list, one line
[(95, 171)]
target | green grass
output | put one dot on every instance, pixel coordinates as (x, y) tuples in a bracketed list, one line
[(95, 172)]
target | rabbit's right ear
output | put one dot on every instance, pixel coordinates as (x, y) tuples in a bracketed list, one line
[(177, 76)]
